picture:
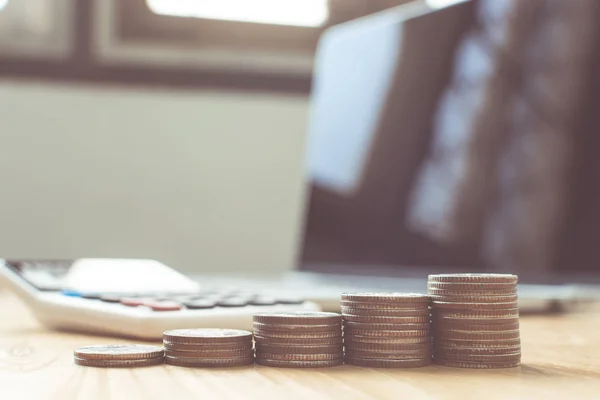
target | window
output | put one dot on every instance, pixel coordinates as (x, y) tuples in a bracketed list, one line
[(309, 13), (3, 4)]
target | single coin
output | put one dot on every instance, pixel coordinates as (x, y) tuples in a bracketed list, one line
[(211, 354), (287, 349), (441, 327), (118, 363), (411, 298), (475, 299), (439, 342), (383, 306), (471, 293), (400, 347), (377, 363), (119, 352), (297, 335), (208, 363), (475, 365), (208, 347), (367, 319), (351, 332), (469, 306), (297, 341), (477, 350), (377, 312), (473, 278), (481, 314), (298, 318), (353, 339), (199, 336), (299, 364), (297, 328), (475, 321), (471, 286), (298, 357), (394, 327), (397, 355), (500, 335), (514, 357)]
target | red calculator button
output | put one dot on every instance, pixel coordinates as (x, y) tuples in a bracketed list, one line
[(163, 305), (134, 301)]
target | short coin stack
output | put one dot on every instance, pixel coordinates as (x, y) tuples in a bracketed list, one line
[(208, 348), (119, 356), (387, 330), (475, 320), (298, 339)]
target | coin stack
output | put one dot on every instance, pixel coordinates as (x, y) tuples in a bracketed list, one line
[(298, 339), (475, 320), (208, 348), (387, 330), (119, 356)]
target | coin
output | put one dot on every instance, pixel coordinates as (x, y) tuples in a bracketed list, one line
[(397, 355), (118, 363), (468, 306), (208, 347), (298, 318), (487, 314), (514, 357), (386, 320), (378, 312), (474, 299), (298, 357), (395, 327), (448, 351), (299, 364), (512, 334), (475, 321), (382, 347), (211, 354), (352, 339), (376, 363), (298, 341), (471, 293), (441, 328), (297, 335), (208, 363), (384, 306), (208, 336), (119, 352), (411, 298), (470, 278), (473, 286), (486, 343), (386, 333), (476, 365), (297, 328), (287, 349)]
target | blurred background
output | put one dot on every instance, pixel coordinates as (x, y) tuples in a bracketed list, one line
[(166, 129)]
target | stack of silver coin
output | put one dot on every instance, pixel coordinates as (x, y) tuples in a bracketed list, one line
[(208, 348), (119, 356), (298, 339), (475, 320), (387, 330)]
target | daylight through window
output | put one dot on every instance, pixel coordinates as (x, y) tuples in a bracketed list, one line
[(310, 13)]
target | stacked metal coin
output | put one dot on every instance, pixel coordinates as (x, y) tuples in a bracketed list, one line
[(119, 356), (475, 320), (208, 348), (298, 339), (388, 330)]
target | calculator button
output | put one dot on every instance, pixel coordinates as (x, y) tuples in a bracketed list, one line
[(71, 293), (233, 302), (289, 300), (134, 301), (200, 304), (91, 296), (164, 305), (110, 298), (263, 301)]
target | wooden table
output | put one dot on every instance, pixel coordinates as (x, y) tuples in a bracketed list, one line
[(561, 359)]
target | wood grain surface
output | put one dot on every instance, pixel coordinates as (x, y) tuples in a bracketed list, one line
[(561, 360)]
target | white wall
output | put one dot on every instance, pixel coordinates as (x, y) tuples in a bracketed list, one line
[(202, 181)]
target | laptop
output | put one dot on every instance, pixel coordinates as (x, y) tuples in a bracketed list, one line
[(378, 81)]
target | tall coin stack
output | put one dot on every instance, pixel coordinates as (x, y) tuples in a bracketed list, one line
[(298, 339), (475, 320), (388, 330), (208, 348)]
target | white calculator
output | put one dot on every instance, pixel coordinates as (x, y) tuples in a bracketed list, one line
[(132, 298)]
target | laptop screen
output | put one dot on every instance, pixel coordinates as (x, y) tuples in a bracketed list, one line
[(377, 85)]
